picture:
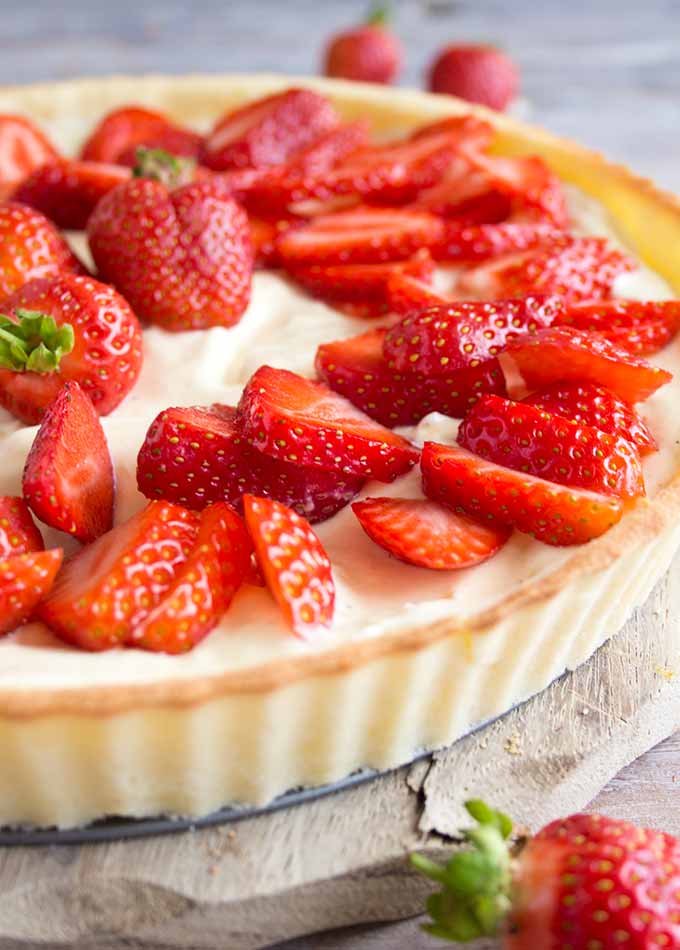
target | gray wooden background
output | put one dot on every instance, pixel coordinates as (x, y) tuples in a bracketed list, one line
[(606, 73)]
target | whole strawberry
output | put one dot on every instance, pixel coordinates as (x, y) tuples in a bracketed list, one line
[(183, 257), (369, 52), (585, 882), (480, 74), (30, 246)]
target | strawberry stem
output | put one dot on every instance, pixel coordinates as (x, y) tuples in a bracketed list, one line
[(170, 170), (475, 895), (379, 15), (33, 342)]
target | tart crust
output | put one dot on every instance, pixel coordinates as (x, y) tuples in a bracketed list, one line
[(188, 746)]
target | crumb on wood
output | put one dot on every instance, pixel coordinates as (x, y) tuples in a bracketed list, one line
[(213, 870), (484, 743), (585, 711), (513, 744), (665, 673)]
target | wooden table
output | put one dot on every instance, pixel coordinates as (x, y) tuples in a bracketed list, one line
[(607, 74)]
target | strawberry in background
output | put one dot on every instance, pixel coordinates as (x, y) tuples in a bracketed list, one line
[(478, 73), (369, 52)]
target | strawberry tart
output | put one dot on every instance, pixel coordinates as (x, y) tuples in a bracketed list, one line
[(335, 421)]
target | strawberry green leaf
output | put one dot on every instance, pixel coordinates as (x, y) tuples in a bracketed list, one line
[(33, 342), (162, 166), (379, 15)]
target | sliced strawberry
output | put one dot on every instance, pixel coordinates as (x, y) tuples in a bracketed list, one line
[(67, 191), (25, 579), (360, 236), (203, 588), (561, 354), (529, 182), (357, 369), (456, 336), (360, 283), (121, 131), (68, 478), (107, 589), (532, 440), (638, 327), (264, 233), (406, 294), (424, 533), (294, 563), (23, 148), (478, 242), (466, 195), (268, 131), (470, 134), (18, 533), (552, 513), (591, 405), (576, 268), (305, 423), (198, 456)]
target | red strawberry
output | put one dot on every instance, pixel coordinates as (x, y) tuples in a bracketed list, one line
[(532, 440), (456, 336), (586, 881), (107, 589), (30, 247), (638, 327), (471, 134), (578, 269), (561, 354), (406, 294), (121, 131), (360, 236), (264, 233), (478, 242), (299, 421), (591, 405), (198, 456), (529, 182), (552, 513), (67, 191), (23, 148), (268, 131), (466, 195), (368, 53), (68, 478), (183, 259), (424, 533), (24, 580), (67, 328), (294, 564), (357, 369), (477, 73), (18, 533), (203, 588)]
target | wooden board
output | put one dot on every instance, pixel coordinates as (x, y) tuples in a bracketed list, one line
[(342, 859)]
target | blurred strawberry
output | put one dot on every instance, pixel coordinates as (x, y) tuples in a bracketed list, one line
[(23, 148), (121, 131), (480, 74), (369, 52), (67, 191)]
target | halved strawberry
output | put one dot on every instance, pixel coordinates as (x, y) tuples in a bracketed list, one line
[(121, 131), (294, 563), (23, 148), (456, 336), (463, 242), (406, 294), (532, 440), (303, 422), (576, 268), (67, 191), (360, 236), (592, 405), (423, 533), (268, 131), (562, 354), (357, 369), (466, 195), (529, 182), (30, 247), (25, 579), (552, 513), (105, 590), (203, 587), (638, 327), (18, 532), (198, 456), (68, 478)]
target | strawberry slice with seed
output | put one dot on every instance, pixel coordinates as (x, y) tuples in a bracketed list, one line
[(529, 182), (552, 513), (592, 405), (25, 579), (456, 336), (305, 423), (562, 354), (406, 294), (18, 532), (68, 479), (294, 564), (203, 588), (264, 233), (106, 590), (360, 236), (532, 440), (357, 369), (426, 534), (640, 327), (198, 456), (462, 242)]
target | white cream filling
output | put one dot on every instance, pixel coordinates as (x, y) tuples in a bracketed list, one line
[(376, 594)]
